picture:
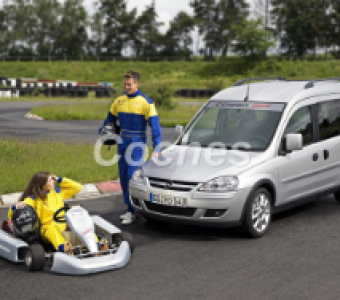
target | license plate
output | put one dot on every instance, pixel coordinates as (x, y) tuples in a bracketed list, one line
[(168, 200)]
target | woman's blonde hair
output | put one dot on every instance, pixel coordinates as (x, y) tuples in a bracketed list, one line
[(36, 186)]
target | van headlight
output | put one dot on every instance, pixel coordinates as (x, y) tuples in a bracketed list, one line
[(220, 184), (138, 176)]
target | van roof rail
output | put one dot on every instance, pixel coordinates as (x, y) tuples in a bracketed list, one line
[(241, 82), (310, 83)]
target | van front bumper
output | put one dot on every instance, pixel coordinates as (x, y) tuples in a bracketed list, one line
[(217, 209)]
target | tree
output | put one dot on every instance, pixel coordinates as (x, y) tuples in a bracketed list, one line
[(45, 13), (178, 37), (132, 34), (215, 20), (71, 36), (3, 31), (328, 17), (114, 23), (151, 38), (251, 39), (19, 26), (97, 35), (261, 11), (205, 14), (302, 25), (231, 12)]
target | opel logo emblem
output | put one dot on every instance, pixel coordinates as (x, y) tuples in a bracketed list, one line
[(169, 184)]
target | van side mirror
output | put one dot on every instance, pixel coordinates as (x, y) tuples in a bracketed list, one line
[(178, 131), (293, 142)]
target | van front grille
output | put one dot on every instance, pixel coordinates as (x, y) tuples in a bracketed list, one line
[(183, 186)]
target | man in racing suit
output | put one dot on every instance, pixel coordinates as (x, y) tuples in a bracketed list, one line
[(132, 112)]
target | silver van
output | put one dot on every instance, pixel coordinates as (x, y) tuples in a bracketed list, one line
[(253, 149)]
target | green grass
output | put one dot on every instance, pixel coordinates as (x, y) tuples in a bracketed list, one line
[(181, 115), (20, 160), (180, 74)]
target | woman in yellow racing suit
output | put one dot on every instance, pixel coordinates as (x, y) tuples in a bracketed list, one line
[(46, 199)]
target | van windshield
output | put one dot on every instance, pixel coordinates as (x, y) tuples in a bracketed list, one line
[(247, 126)]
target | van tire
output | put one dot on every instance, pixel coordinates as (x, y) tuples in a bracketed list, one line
[(337, 196), (262, 199)]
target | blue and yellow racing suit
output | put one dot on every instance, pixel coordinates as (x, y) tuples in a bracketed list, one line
[(133, 112)]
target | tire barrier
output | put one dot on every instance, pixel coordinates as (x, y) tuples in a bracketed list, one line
[(57, 88), (5, 93), (99, 94), (196, 93), (34, 90), (47, 92)]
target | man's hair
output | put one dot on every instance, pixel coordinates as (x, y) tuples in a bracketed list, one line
[(132, 74)]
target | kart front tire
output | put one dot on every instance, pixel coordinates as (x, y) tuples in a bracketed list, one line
[(126, 236), (35, 258)]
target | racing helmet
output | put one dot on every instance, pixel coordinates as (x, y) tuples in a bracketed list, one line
[(108, 132), (25, 222)]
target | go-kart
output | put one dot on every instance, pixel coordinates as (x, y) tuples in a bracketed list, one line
[(86, 258)]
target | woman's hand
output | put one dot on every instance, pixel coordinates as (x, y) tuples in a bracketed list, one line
[(54, 178), (20, 205)]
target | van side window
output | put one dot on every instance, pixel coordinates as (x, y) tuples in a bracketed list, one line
[(301, 122), (329, 119)]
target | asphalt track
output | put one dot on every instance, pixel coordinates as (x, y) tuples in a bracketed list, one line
[(14, 125), (297, 259)]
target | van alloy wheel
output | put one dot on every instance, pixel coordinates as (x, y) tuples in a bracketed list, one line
[(258, 213), (261, 212)]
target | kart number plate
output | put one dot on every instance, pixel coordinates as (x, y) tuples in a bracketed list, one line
[(168, 200)]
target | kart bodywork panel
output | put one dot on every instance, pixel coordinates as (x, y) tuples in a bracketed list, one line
[(13, 249)]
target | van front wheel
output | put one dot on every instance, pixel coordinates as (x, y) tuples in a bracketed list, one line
[(258, 213), (337, 196)]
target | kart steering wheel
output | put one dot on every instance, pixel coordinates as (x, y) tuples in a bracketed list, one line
[(61, 219)]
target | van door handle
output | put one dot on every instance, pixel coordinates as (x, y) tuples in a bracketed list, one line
[(325, 154), (315, 157)]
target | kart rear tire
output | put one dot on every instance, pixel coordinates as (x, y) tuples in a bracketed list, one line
[(127, 237), (35, 258), (337, 196)]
